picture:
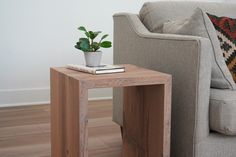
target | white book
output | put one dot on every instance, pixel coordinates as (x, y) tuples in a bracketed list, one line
[(102, 69)]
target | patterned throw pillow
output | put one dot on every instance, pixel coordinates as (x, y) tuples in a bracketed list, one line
[(226, 32)]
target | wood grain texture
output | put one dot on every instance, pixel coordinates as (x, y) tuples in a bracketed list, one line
[(133, 76), (146, 121), (57, 120), (69, 116), (25, 131), (147, 111)]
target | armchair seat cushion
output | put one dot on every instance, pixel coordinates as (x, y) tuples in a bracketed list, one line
[(223, 111)]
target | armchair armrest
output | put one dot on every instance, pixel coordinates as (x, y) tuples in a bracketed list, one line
[(186, 58)]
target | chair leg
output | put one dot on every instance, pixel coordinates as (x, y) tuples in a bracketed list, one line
[(121, 130)]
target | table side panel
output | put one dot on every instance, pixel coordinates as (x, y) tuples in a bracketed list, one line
[(146, 124), (57, 114), (167, 119), (133, 122), (69, 116)]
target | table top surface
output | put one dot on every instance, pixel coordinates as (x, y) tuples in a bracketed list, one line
[(132, 76)]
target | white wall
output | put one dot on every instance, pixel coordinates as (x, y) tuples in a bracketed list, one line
[(38, 34)]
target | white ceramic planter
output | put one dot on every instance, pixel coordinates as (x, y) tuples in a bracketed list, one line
[(93, 59)]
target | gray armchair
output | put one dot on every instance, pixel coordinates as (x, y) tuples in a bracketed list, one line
[(188, 60)]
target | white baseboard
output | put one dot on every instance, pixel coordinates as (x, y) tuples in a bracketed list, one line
[(100, 98), (36, 96), (24, 104), (19, 97)]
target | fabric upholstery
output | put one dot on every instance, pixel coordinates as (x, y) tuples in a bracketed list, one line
[(200, 25), (188, 63), (226, 32), (134, 44), (172, 27), (223, 111), (154, 14), (216, 145)]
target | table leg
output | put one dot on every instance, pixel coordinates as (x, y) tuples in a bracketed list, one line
[(69, 137), (147, 121)]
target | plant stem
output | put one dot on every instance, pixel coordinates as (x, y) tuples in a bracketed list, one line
[(92, 43)]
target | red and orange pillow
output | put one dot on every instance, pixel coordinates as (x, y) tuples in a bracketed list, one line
[(226, 33)]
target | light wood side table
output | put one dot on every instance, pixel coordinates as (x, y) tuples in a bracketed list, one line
[(147, 111)]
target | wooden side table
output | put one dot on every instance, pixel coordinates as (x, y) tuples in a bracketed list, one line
[(147, 111)]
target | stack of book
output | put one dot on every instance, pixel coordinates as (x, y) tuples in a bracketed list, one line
[(102, 69)]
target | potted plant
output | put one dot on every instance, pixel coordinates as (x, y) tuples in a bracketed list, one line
[(91, 48)]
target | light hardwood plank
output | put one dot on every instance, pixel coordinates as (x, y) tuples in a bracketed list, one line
[(25, 131)]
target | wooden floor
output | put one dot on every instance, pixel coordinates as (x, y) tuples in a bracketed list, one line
[(25, 131)]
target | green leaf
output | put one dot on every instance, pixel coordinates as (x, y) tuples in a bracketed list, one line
[(78, 45), (87, 34), (105, 44), (84, 44), (83, 39), (91, 35), (82, 28), (95, 46), (96, 33), (104, 36)]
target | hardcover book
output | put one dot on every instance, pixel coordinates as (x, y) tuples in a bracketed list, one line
[(102, 69)]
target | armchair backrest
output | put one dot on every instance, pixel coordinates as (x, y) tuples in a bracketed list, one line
[(154, 14)]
